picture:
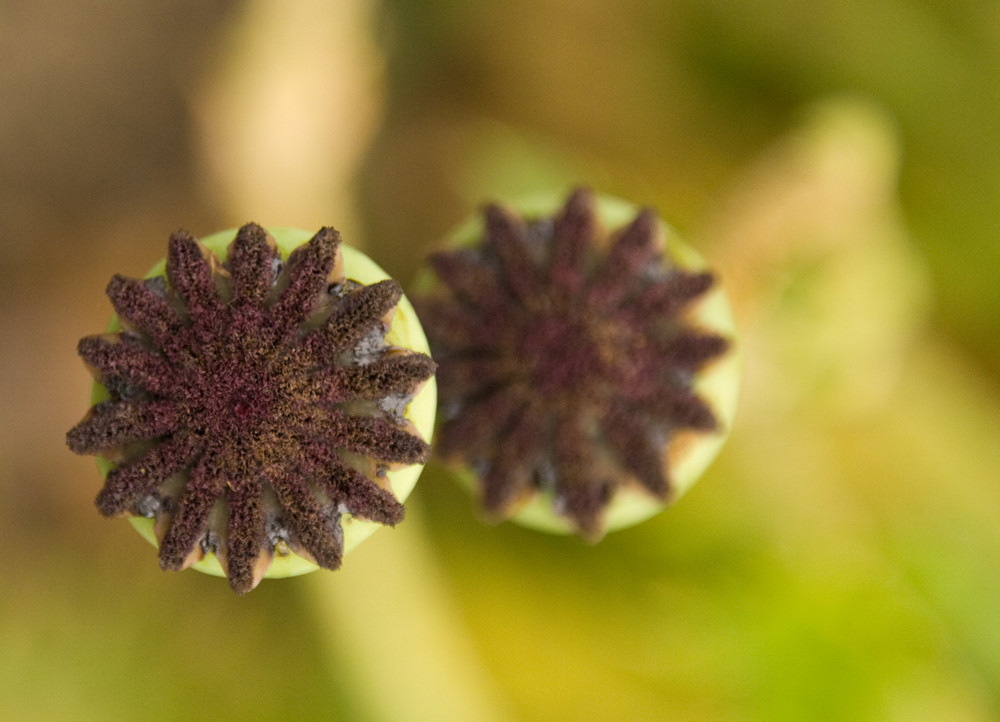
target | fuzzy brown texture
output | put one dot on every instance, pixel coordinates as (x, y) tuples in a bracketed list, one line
[(565, 364), (248, 407)]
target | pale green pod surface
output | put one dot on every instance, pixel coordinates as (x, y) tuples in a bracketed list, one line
[(589, 374)]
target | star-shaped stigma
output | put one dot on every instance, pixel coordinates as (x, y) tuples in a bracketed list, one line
[(566, 359), (253, 403)]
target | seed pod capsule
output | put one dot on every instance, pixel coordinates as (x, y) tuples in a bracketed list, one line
[(588, 371), (263, 402)]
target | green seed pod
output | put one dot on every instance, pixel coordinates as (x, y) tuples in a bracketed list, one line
[(588, 370), (263, 402)]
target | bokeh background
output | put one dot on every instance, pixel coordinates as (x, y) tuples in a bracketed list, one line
[(837, 161)]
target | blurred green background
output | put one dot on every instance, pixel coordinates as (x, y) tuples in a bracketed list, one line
[(837, 161)]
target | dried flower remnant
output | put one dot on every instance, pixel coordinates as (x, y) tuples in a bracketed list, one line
[(258, 409), (586, 377)]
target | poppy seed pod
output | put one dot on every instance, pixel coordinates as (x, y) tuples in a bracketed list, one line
[(263, 402), (588, 369)]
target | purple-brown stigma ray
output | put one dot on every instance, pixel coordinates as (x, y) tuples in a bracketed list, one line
[(566, 363), (253, 403)]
